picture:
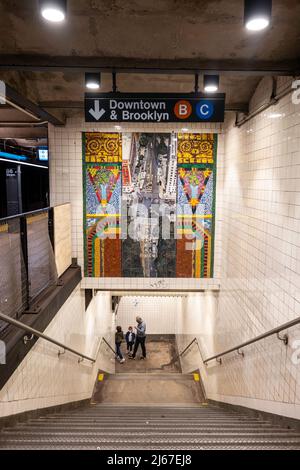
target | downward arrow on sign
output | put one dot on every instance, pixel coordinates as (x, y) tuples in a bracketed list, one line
[(97, 113)]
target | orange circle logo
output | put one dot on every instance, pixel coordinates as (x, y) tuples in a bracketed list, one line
[(183, 109)]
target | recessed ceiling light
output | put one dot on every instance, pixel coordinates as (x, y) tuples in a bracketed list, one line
[(257, 24), (211, 83), (257, 14), (53, 10), (92, 81), (184, 129), (118, 128)]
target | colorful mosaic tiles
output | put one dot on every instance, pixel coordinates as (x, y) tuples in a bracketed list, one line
[(149, 170), (103, 147), (195, 204), (102, 188)]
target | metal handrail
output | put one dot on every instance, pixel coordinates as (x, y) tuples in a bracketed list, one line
[(181, 353), (269, 333), (109, 346), (37, 333), (274, 331), (25, 214)]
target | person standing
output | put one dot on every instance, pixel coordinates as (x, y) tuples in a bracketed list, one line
[(130, 338), (140, 338), (119, 336)]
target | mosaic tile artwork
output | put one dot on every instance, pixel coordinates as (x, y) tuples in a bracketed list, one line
[(103, 147), (149, 179), (102, 185), (195, 204), (126, 172)]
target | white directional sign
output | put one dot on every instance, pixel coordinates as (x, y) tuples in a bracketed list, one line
[(97, 113)]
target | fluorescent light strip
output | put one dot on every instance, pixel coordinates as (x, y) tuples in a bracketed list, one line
[(12, 156), (18, 162)]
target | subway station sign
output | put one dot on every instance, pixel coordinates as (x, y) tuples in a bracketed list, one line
[(155, 108)]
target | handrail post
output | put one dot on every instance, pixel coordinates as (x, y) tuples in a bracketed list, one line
[(24, 248), (284, 338)]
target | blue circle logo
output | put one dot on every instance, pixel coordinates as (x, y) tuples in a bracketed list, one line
[(205, 109)]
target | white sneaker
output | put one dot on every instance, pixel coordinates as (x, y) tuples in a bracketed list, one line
[(122, 361)]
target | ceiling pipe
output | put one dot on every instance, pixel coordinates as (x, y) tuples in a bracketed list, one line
[(23, 124), (14, 105), (274, 98)]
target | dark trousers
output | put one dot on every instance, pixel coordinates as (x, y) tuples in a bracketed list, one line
[(118, 351), (129, 346), (139, 341)]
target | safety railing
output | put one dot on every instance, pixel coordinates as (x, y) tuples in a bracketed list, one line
[(274, 331), (178, 356), (27, 259), (39, 334), (35, 248), (107, 344)]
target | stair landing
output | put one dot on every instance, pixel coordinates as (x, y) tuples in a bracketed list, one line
[(150, 388)]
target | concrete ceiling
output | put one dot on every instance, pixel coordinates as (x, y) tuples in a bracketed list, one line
[(170, 34), (146, 29)]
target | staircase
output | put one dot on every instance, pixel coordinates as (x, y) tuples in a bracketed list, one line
[(149, 427), (149, 388)]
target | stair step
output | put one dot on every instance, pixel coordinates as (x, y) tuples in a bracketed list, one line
[(216, 434), (116, 420), (149, 428), (175, 440), (152, 447), (151, 376)]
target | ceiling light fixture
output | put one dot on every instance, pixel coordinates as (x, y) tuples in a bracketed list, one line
[(211, 83), (257, 14), (93, 81), (53, 10)]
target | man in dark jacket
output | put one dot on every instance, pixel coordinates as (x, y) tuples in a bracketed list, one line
[(140, 338)]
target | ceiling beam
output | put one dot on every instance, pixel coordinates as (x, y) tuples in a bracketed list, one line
[(15, 97), (42, 63), (236, 107)]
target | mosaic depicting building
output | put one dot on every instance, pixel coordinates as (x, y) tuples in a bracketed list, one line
[(152, 169), (146, 179)]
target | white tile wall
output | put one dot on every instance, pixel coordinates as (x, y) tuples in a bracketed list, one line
[(66, 186), (159, 313), (43, 379), (258, 222), (257, 253)]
